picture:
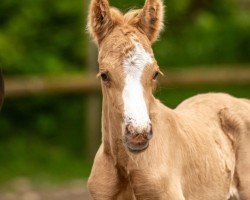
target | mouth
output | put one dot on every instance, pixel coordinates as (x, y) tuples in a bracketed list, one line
[(137, 148)]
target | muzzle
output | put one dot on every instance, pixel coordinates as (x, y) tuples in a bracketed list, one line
[(137, 139)]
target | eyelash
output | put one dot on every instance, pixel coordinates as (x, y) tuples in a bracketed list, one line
[(155, 75)]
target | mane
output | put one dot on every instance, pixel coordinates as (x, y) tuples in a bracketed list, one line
[(133, 16)]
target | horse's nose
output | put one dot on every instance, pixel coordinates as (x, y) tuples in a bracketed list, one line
[(137, 139)]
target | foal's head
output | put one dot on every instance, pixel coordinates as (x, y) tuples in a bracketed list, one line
[(127, 65)]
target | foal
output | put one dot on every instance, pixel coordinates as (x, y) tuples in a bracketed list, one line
[(199, 151)]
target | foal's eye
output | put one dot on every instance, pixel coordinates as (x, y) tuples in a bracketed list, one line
[(105, 76), (155, 75)]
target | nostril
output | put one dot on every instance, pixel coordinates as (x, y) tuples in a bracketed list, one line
[(130, 131), (145, 135), (126, 130), (150, 133)]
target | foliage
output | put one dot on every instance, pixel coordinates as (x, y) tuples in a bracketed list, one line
[(42, 137), (48, 36), (41, 36)]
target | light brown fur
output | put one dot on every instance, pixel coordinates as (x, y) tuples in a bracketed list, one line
[(198, 151)]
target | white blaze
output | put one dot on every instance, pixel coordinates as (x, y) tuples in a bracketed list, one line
[(135, 109)]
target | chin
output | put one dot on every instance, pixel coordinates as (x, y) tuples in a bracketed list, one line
[(137, 149)]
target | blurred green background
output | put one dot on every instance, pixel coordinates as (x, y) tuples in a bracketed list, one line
[(44, 137)]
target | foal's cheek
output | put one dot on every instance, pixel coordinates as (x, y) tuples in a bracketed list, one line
[(149, 89), (154, 87), (115, 98)]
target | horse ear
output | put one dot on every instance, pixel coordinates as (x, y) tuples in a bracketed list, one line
[(1, 89), (99, 21), (151, 19)]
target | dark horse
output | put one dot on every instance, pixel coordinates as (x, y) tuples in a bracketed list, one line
[(1, 89)]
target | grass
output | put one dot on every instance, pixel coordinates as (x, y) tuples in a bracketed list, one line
[(40, 161)]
